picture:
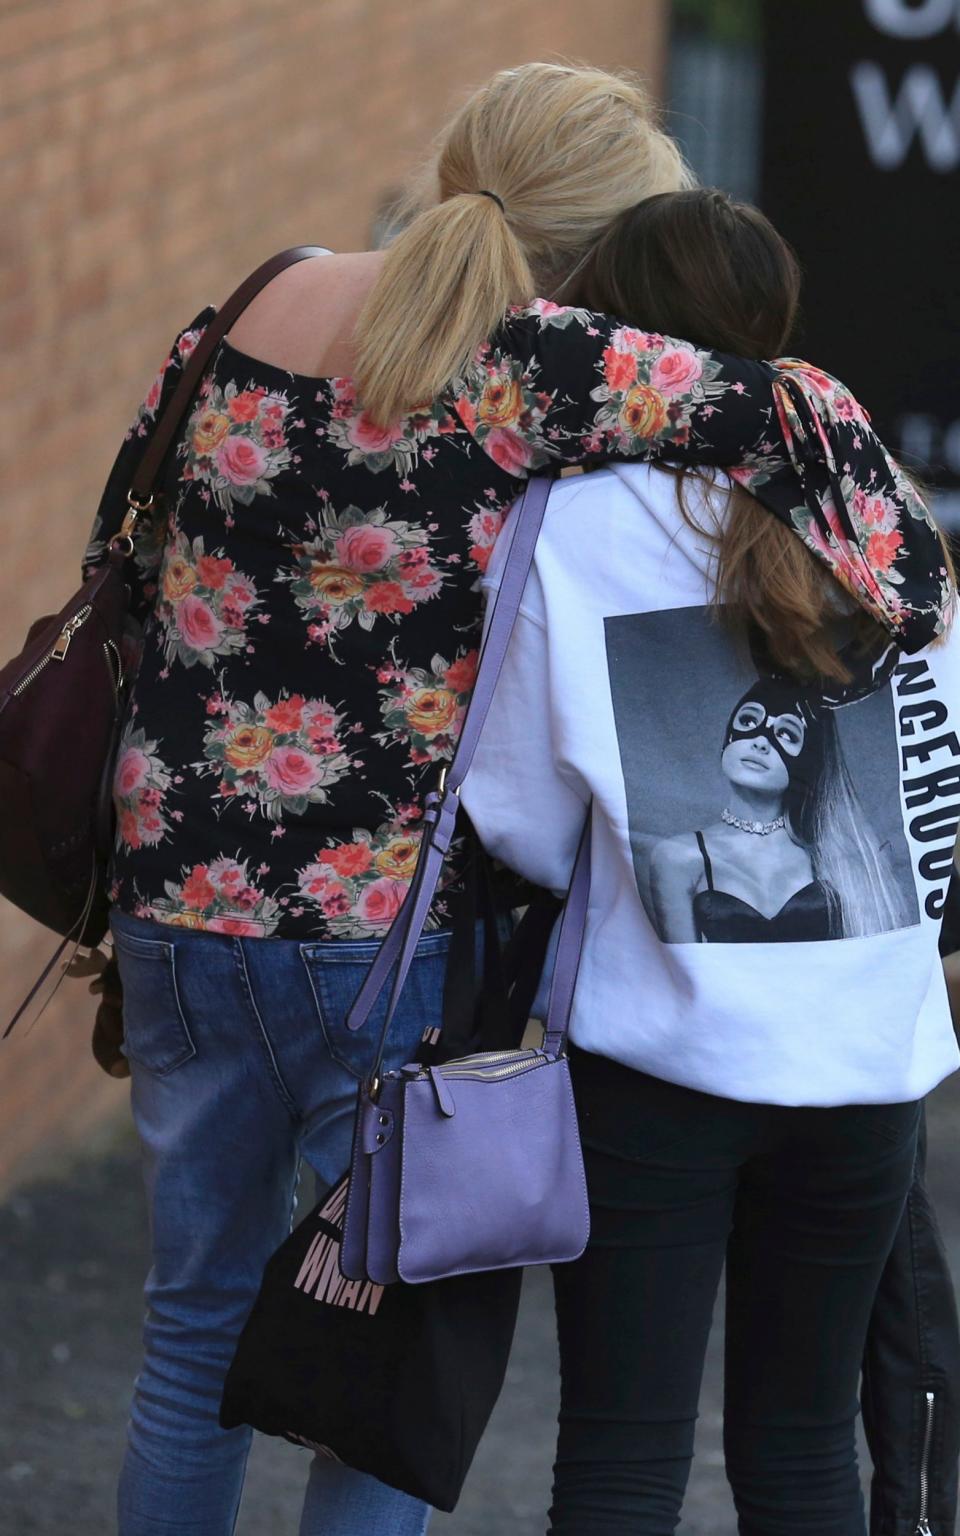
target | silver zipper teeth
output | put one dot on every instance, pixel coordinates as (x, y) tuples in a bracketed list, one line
[(923, 1524), (487, 1077), (485, 1057), (71, 627), (26, 681), (114, 665)]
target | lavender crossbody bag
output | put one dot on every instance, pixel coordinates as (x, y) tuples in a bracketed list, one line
[(476, 1164)]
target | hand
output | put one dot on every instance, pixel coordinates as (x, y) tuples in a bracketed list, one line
[(108, 1026)]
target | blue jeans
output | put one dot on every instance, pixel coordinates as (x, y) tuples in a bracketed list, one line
[(241, 1064)]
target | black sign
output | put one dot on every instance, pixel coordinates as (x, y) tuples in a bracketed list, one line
[(861, 172)]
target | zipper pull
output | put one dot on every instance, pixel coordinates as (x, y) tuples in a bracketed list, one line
[(923, 1529), (62, 643), (444, 1096)]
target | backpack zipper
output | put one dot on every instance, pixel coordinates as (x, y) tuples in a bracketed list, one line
[(60, 648), (923, 1524)]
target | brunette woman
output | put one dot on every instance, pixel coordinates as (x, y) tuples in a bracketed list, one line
[(754, 1098)]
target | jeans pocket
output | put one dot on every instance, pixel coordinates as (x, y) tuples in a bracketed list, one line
[(337, 971), (155, 1033)]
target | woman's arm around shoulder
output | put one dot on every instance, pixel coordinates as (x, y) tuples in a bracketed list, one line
[(558, 383)]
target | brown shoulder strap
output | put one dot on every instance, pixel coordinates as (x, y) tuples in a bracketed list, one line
[(169, 423)]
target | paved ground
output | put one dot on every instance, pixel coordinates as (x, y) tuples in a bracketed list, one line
[(73, 1257)]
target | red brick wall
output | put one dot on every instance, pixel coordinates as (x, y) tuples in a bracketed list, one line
[(150, 155)]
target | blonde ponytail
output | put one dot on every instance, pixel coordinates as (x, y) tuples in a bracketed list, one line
[(565, 149), (446, 283)]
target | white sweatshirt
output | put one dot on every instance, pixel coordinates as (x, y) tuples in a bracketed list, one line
[(769, 867)]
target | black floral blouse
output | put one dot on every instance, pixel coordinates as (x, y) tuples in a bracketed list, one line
[(311, 603)]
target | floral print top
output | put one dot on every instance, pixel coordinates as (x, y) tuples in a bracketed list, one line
[(310, 597)]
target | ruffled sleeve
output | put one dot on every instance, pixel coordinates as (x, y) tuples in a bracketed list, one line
[(567, 385), (149, 537)]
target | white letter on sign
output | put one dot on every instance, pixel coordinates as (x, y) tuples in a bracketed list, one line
[(920, 110)]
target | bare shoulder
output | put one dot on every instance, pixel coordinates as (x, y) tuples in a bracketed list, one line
[(677, 858), (303, 320)]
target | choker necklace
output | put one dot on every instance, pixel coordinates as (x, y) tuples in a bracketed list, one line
[(761, 828)]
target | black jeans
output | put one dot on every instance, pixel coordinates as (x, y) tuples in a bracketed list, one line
[(804, 1205), (910, 1394)]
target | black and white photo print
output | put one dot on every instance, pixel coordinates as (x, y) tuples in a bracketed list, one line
[(747, 824)]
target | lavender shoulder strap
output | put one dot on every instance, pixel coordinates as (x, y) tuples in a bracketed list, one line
[(440, 813)]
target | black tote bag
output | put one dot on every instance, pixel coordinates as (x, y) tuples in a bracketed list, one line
[(398, 1382)]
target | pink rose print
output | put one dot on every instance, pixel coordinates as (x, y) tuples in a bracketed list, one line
[(675, 370), (241, 460), (364, 433), (335, 901), (291, 771), (204, 604), (133, 769), (236, 444), (358, 567), (508, 449), (198, 624), (140, 786), (366, 548), (275, 755), (382, 900)]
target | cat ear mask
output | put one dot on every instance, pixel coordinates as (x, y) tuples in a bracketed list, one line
[(869, 672)]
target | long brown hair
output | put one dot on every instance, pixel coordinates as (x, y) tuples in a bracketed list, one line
[(697, 264), (565, 149)]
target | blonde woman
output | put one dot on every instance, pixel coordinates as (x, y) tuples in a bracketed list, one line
[(311, 614)]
